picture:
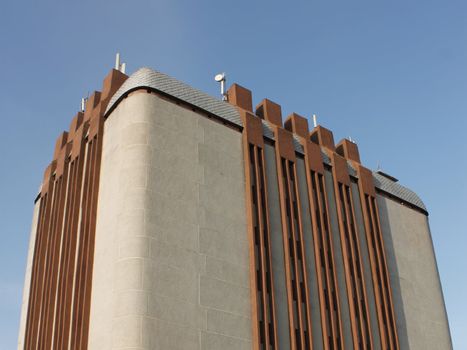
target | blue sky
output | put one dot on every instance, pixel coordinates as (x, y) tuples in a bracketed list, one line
[(390, 74)]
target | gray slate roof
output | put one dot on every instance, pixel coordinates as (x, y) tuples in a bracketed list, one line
[(147, 77), (154, 80)]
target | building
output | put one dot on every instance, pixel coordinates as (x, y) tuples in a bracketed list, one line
[(169, 219)]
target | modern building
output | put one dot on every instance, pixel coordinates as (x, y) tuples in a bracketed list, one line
[(169, 219)]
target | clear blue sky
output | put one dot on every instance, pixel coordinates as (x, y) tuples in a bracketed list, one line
[(391, 74)]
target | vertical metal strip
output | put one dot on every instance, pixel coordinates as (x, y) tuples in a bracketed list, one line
[(260, 226), (292, 232), (345, 255), (57, 229), (79, 163), (48, 264), (249, 168), (285, 237), (319, 262), (356, 293), (64, 256), (32, 305), (267, 243), (293, 251), (328, 294), (53, 267), (385, 279), (84, 249), (381, 285), (334, 293), (331, 285), (303, 284), (261, 277), (382, 289), (375, 268), (97, 144), (328, 257), (38, 305), (356, 298), (78, 272), (363, 304)]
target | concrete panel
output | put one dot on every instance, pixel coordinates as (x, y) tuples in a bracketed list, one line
[(421, 317), (227, 272), (347, 333), (219, 295), (126, 332), (27, 276), (132, 303), (310, 256), (170, 309), (228, 248), (277, 248), (366, 266), (171, 239), (227, 324), (159, 334), (214, 341)]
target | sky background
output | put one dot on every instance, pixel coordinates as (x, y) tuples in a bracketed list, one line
[(390, 74)]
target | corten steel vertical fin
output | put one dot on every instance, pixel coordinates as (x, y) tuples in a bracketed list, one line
[(86, 235), (348, 150), (331, 324), (270, 111), (48, 266), (376, 252), (91, 104), (68, 257), (323, 137), (292, 233), (75, 124), (60, 289), (356, 290), (96, 130), (61, 177), (35, 305), (64, 246), (240, 97), (111, 84), (34, 273), (261, 277)]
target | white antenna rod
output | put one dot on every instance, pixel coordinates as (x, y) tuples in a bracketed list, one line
[(117, 61), (119, 66), (350, 139), (83, 104), (221, 78), (315, 123)]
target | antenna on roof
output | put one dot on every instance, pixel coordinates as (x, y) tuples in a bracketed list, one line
[(350, 139), (119, 66), (220, 78), (315, 123), (83, 104)]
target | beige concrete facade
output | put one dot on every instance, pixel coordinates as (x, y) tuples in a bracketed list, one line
[(418, 299), (171, 254)]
